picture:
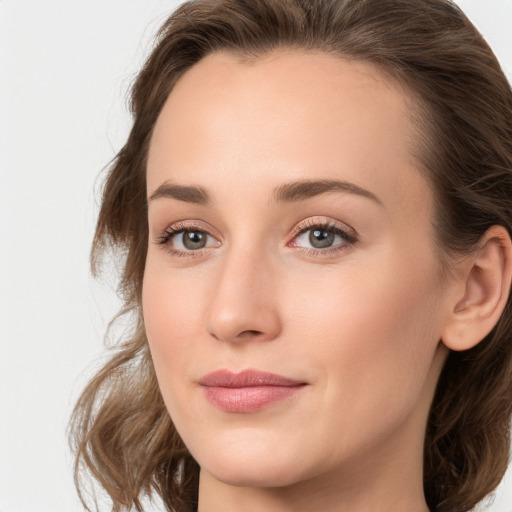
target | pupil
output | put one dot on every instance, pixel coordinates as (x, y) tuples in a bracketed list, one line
[(320, 239), (194, 239)]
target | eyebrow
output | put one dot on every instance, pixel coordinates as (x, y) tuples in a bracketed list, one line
[(304, 189), (287, 193), (188, 194)]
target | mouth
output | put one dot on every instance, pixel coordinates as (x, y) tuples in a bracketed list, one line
[(247, 391)]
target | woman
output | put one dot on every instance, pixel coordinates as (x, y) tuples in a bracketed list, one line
[(314, 211)]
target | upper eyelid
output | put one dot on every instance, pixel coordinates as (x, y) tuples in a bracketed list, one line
[(324, 222), (300, 227), (193, 225)]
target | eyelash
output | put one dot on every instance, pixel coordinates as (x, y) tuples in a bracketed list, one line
[(176, 229), (349, 238)]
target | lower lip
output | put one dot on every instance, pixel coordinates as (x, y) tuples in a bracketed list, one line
[(248, 399)]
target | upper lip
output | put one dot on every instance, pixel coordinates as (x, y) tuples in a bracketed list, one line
[(246, 378)]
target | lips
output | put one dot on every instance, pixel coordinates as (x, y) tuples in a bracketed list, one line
[(247, 391)]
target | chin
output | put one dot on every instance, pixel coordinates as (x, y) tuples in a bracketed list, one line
[(250, 465), (263, 474)]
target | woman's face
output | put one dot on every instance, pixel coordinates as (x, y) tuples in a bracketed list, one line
[(291, 235)]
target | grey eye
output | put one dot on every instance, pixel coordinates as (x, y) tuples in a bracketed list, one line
[(193, 240), (320, 239), (323, 237)]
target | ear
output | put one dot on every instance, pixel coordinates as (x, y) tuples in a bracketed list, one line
[(482, 291)]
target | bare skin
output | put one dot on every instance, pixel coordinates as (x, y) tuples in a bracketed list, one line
[(339, 290)]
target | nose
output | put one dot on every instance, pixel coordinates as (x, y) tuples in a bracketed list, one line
[(244, 304)]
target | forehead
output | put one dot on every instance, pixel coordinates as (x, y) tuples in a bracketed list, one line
[(289, 114)]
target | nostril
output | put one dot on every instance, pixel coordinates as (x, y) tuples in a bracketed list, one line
[(246, 335), (251, 332)]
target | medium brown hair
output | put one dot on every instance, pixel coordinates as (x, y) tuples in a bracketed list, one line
[(120, 430)]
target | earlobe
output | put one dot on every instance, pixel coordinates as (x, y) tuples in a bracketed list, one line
[(485, 288)]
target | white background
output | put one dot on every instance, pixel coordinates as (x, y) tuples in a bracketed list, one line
[(65, 67)]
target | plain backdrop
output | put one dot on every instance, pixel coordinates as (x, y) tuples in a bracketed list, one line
[(65, 68)]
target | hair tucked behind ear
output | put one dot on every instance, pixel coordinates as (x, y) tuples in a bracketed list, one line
[(120, 429)]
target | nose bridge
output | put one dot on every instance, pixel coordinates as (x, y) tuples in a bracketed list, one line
[(243, 305)]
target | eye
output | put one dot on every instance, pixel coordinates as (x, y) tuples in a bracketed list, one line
[(185, 240), (318, 238), (322, 237), (190, 240)]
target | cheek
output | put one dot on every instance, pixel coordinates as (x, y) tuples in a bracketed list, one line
[(171, 316), (373, 330)]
